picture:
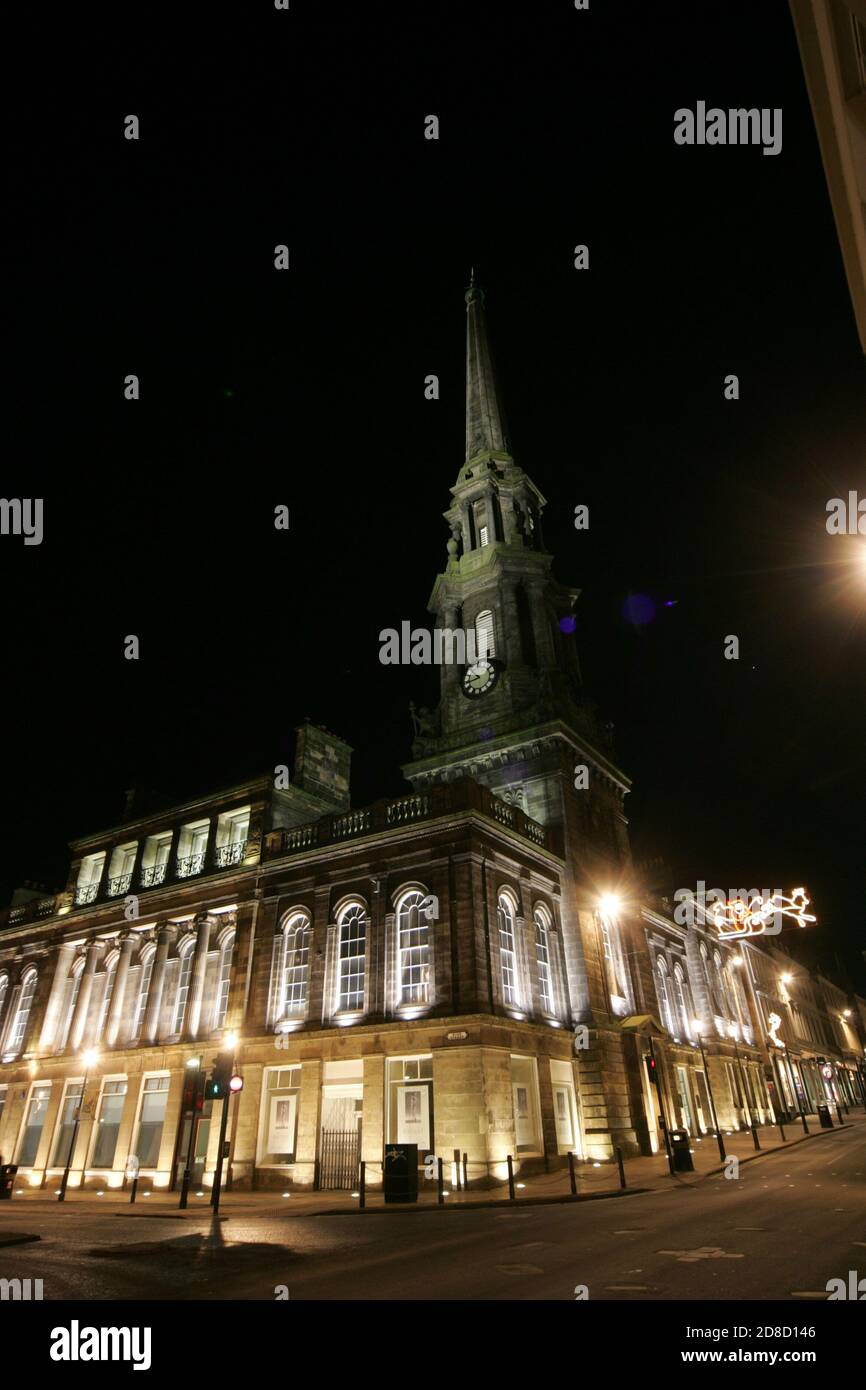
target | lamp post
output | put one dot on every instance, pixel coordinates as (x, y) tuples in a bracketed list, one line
[(719, 1140), (89, 1059), (194, 1065), (743, 1085), (230, 1044)]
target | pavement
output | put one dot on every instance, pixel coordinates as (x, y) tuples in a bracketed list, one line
[(791, 1219), (593, 1180)]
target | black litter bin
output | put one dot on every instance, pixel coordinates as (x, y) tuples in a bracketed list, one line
[(682, 1150), (400, 1179), (825, 1117), (8, 1173)]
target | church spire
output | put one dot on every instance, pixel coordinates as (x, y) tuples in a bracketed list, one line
[(485, 422)]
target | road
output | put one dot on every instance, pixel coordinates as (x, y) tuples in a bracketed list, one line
[(791, 1221)]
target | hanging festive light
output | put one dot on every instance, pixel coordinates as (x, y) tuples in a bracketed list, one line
[(737, 917)]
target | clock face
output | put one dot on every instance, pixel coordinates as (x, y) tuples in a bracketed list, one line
[(480, 677)]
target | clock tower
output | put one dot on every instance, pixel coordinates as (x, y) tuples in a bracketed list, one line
[(519, 721)]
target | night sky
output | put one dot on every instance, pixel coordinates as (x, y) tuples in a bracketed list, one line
[(305, 388)]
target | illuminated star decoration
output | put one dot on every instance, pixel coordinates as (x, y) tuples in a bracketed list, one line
[(775, 1024), (737, 918)]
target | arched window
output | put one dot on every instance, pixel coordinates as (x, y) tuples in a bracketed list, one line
[(612, 963), (184, 976), (296, 966), (722, 988), (683, 999), (4, 988), (507, 948), (413, 946), (485, 640), (224, 979), (710, 981), (353, 954), (107, 991), (664, 997), (542, 958), (147, 959), (22, 1013)]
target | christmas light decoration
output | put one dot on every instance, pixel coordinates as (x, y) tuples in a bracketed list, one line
[(737, 918)]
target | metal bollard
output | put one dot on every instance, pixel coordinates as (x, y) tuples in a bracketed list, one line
[(362, 1194), (465, 1171), (440, 1183), (510, 1161), (621, 1166), (572, 1176), (134, 1191)]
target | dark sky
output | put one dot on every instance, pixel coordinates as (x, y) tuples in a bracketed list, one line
[(306, 388)]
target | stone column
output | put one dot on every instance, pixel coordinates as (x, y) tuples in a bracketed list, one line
[(54, 1009), (541, 626), (309, 1110), (451, 670), (510, 625), (157, 984), (199, 970), (82, 1003), (115, 1008)]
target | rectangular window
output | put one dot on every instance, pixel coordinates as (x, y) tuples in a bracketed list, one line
[(66, 1125), (410, 1102), (108, 1123), (231, 837), (154, 860), (279, 1119), (524, 1091), (192, 848), (33, 1125), (143, 991), (153, 1103), (120, 869), (89, 877)]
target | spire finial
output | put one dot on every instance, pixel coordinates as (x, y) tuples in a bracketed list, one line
[(485, 426)]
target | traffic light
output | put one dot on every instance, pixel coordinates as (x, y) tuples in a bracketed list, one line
[(236, 1084), (219, 1081), (193, 1089), (651, 1072)]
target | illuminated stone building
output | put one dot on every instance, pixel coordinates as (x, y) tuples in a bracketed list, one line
[(450, 967)]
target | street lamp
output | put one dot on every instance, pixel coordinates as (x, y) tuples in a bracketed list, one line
[(89, 1058), (230, 1044), (696, 1029)]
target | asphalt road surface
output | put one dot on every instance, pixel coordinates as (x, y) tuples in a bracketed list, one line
[(790, 1222)]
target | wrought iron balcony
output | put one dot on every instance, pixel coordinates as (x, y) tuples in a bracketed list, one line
[(153, 875), (87, 894), (226, 855), (190, 865), (118, 886)]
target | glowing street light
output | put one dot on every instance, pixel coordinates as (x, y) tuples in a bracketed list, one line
[(610, 904)]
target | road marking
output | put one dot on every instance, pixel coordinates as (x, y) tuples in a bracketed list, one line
[(809, 1293), (520, 1269), (627, 1288), (704, 1252)]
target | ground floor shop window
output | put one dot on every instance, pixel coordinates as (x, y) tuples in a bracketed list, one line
[(524, 1094), (280, 1115), (108, 1123), (151, 1120), (66, 1125), (33, 1125), (410, 1102), (564, 1107)]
